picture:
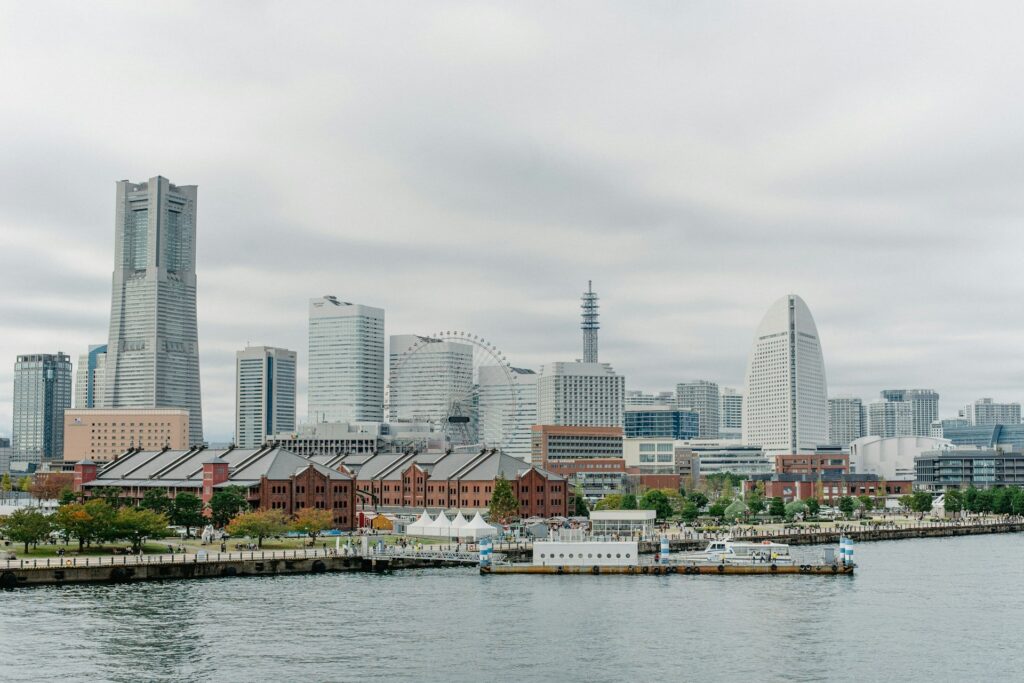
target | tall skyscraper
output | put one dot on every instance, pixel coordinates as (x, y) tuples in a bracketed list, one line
[(589, 324), (845, 420), (153, 349), (730, 414), (890, 418), (90, 387), (702, 397), (924, 407), (264, 394), (431, 380), (346, 361), (42, 392), (508, 409), (785, 408), (580, 395), (985, 412)]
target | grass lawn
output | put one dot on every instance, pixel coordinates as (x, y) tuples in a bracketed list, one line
[(71, 549)]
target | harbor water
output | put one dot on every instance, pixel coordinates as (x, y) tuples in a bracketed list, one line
[(918, 610)]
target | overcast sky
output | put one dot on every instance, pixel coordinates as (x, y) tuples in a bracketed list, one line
[(469, 166)]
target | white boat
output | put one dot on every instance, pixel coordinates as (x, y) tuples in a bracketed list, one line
[(742, 552)]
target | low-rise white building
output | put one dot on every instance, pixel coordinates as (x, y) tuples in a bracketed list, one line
[(891, 458)]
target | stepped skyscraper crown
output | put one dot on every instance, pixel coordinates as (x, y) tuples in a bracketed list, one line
[(786, 404), (153, 350)]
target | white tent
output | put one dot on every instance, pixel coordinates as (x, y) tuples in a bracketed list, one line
[(477, 528), (458, 523), (442, 526), (419, 527)]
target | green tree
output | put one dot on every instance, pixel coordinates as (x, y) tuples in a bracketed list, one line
[(110, 494), (698, 499), (986, 499), (312, 522), (689, 512), (921, 501), (580, 508), (26, 525), (953, 501), (25, 484), (867, 501), (68, 496), (504, 504), (629, 502), (1002, 501), (907, 501), (157, 500), (88, 522), (5, 482), (717, 509), (1017, 501), (656, 499), (777, 508), (813, 507), (137, 524), (227, 503), (258, 524), (794, 508), (187, 511), (971, 500), (755, 503), (610, 502), (846, 506)]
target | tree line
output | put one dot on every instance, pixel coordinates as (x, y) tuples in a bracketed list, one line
[(107, 517)]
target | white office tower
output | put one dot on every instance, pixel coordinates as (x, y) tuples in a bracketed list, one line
[(346, 361), (845, 420), (431, 380), (890, 418), (153, 348), (985, 412), (702, 397), (730, 414), (507, 409), (580, 395), (90, 384), (264, 394), (786, 407)]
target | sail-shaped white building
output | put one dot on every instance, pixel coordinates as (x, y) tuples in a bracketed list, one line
[(786, 404)]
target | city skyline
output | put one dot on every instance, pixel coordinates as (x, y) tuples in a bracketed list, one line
[(472, 212)]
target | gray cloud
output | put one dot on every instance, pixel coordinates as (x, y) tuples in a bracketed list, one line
[(470, 166)]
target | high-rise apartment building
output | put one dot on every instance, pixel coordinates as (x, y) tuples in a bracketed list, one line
[(702, 397), (90, 387), (890, 418), (264, 394), (153, 349), (431, 380), (924, 406), (42, 392), (346, 361), (845, 420), (985, 412), (507, 408), (580, 395), (785, 407), (730, 413)]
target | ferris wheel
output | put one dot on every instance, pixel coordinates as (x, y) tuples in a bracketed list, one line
[(459, 383)]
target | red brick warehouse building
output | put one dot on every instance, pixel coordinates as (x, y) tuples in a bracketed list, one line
[(273, 478)]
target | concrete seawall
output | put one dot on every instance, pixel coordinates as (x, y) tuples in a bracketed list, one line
[(126, 570)]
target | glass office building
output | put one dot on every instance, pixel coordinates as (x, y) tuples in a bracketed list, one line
[(42, 392), (661, 424)]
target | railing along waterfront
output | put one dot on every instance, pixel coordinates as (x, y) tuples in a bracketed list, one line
[(164, 558)]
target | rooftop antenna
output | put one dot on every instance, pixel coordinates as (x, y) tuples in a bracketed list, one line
[(589, 324)]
